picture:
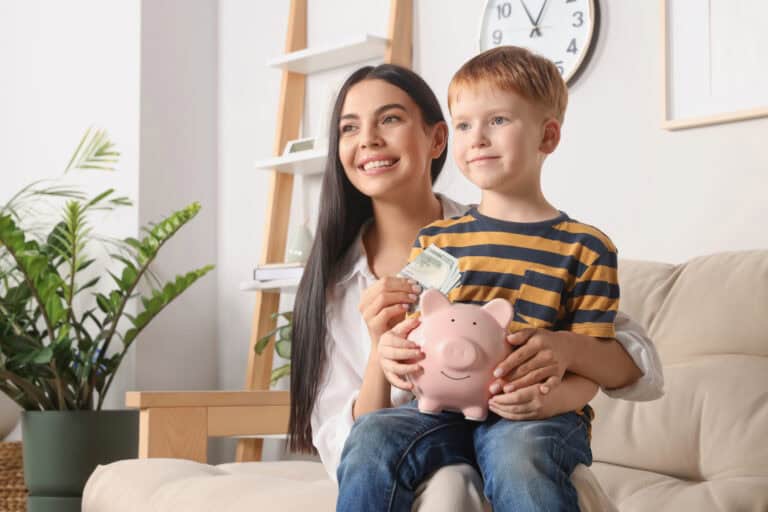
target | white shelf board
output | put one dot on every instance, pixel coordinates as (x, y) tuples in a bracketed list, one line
[(313, 60), (302, 162), (261, 436), (274, 285)]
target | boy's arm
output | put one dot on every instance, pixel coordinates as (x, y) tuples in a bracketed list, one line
[(530, 404)]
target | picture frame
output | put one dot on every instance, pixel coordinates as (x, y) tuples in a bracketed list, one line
[(712, 71)]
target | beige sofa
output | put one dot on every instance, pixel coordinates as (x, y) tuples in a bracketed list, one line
[(701, 447)]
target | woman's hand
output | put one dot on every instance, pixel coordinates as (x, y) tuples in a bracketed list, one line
[(398, 356), (385, 303), (541, 357)]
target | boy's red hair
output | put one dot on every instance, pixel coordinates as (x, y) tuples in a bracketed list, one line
[(511, 68)]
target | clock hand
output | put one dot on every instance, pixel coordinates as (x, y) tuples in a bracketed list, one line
[(528, 13), (538, 18)]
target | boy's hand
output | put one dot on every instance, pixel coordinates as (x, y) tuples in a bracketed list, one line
[(541, 358), (385, 303), (398, 356), (523, 404)]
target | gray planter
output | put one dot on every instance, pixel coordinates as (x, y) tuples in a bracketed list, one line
[(62, 448)]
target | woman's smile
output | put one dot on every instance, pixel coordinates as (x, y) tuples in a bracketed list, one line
[(377, 165)]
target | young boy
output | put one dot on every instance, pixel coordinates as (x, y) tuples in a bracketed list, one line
[(506, 108)]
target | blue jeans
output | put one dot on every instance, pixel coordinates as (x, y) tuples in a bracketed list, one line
[(525, 465)]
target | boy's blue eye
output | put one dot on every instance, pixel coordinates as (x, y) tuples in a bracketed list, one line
[(498, 120), (462, 126)]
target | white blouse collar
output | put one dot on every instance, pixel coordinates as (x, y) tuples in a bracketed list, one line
[(355, 262)]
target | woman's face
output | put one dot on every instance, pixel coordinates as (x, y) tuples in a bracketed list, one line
[(384, 145)]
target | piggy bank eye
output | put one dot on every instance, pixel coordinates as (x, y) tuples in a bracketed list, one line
[(474, 323), (453, 319)]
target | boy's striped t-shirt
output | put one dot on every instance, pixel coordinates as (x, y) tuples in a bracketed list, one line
[(558, 274)]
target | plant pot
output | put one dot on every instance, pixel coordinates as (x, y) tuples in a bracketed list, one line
[(62, 448)]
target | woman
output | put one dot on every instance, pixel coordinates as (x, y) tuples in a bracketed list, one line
[(386, 148)]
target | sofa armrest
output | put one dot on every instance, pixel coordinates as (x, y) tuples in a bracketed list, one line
[(178, 424)]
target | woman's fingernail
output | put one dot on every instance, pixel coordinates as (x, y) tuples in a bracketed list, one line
[(498, 372), (412, 281), (412, 296), (406, 306), (416, 288), (495, 388)]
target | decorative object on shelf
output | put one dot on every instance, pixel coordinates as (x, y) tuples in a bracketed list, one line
[(306, 144), (272, 271), (300, 242), (282, 336), (55, 357), (564, 31), (713, 62)]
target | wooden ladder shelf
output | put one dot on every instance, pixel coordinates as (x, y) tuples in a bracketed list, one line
[(397, 50)]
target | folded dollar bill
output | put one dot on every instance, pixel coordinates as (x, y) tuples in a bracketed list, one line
[(434, 268)]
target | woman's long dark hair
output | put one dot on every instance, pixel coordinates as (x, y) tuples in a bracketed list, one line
[(343, 211)]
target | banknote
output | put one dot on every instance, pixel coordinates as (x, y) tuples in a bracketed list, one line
[(434, 268)]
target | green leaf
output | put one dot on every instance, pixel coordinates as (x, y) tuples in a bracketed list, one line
[(262, 343), (280, 372), (87, 285), (43, 356), (103, 303), (283, 349), (161, 298)]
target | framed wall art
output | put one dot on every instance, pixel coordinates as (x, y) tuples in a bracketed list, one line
[(714, 55)]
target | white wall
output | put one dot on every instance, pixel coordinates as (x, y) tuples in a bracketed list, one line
[(148, 73), (178, 165), (65, 67)]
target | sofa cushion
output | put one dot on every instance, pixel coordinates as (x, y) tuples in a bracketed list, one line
[(704, 441), (169, 485), (715, 304)]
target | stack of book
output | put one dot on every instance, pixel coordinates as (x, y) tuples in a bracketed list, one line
[(275, 275)]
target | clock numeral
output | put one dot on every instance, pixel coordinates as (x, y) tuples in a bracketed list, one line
[(580, 17), (572, 47), (560, 67), (504, 10), (496, 36)]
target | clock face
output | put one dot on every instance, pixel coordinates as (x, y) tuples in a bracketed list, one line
[(564, 31)]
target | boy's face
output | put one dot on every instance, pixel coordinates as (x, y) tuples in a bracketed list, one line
[(500, 138)]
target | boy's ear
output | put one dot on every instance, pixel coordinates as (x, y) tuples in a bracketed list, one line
[(439, 139), (551, 137)]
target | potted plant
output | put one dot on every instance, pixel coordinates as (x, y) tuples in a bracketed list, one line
[(63, 335), (282, 334)]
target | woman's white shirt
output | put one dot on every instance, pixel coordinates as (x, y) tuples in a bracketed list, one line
[(349, 347)]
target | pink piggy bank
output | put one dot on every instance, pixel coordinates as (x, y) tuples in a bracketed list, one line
[(462, 344)]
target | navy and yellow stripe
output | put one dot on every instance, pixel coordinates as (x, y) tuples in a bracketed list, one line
[(558, 274)]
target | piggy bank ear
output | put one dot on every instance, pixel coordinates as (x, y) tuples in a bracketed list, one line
[(500, 310), (432, 301)]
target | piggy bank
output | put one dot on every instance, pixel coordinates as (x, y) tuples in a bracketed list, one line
[(462, 345)]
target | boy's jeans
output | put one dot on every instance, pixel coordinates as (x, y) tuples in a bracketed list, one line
[(525, 465)]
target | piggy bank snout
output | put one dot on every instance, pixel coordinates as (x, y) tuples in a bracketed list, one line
[(458, 354)]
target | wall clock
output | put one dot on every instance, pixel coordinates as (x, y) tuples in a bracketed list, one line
[(564, 31)]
